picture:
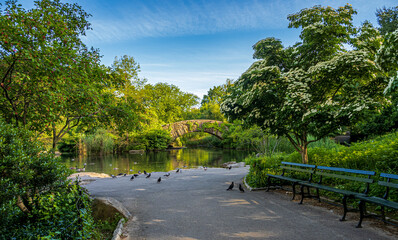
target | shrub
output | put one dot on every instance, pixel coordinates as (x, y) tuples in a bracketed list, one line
[(154, 139), (36, 200), (379, 154)]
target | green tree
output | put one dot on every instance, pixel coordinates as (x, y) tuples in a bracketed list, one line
[(210, 105), (48, 77), (312, 88), (387, 19), (168, 102)]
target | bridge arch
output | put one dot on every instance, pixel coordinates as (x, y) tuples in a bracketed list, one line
[(213, 127)]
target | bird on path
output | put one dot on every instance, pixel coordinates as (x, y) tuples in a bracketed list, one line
[(132, 178), (124, 174), (241, 188), (159, 179), (178, 170), (145, 172), (230, 186), (113, 176), (167, 174), (136, 175), (229, 168), (149, 175), (205, 168)]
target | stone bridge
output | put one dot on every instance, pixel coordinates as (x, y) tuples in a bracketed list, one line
[(212, 127)]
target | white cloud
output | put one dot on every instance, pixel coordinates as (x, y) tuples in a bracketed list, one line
[(139, 21)]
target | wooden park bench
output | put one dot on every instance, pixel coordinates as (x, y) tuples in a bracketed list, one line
[(293, 173), (381, 201), (334, 173)]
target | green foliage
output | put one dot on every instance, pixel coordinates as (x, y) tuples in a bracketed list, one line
[(388, 19), (154, 139), (315, 87), (48, 74), (168, 102), (99, 142), (379, 154), (210, 105), (36, 201)]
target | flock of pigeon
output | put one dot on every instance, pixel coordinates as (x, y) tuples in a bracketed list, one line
[(148, 175)]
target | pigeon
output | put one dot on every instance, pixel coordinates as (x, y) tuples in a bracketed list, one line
[(113, 176), (230, 186), (167, 174), (159, 179), (124, 174), (241, 188), (136, 175), (132, 177), (149, 175), (229, 168), (120, 174), (139, 172), (178, 170), (145, 172), (205, 168)]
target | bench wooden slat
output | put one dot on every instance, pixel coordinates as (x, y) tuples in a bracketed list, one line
[(379, 201), (347, 170), (388, 175), (346, 177), (298, 169), (331, 189), (285, 178), (298, 164), (388, 184)]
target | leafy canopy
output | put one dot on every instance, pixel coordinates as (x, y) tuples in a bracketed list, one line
[(314, 87)]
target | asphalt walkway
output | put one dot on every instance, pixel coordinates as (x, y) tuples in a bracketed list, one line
[(194, 204)]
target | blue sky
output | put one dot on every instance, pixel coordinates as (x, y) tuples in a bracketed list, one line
[(196, 45)]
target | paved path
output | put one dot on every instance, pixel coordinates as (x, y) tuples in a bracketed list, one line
[(194, 204)]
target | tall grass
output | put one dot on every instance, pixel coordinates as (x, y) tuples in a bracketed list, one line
[(100, 142)]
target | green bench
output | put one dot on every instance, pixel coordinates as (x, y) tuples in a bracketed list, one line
[(345, 174), (381, 201), (291, 169)]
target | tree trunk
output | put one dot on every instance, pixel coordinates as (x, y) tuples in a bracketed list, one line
[(304, 154), (55, 139), (21, 205)]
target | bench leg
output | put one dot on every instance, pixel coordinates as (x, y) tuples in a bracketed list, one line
[(361, 213), (345, 208), (268, 184), (383, 215), (294, 190), (302, 194)]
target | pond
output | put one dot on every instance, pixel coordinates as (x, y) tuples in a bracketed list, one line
[(162, 161)]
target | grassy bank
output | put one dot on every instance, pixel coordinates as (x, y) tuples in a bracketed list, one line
[(379, 154)]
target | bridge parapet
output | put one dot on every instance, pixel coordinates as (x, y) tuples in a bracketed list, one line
[(212, 127)]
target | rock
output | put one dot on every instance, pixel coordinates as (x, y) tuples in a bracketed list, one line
[(234, 164), (225, 165), (137, 151), (106, 208)]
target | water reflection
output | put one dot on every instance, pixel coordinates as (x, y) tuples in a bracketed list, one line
[(154, 161)]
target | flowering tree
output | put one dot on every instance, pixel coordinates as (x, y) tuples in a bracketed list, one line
[(317, 85)]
